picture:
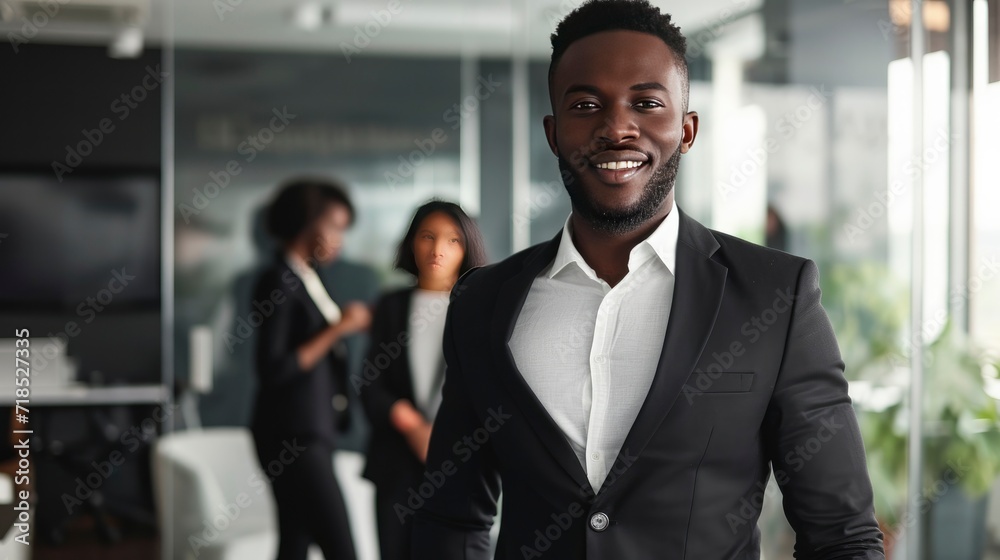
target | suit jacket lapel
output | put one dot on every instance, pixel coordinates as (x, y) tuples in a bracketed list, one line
[(315, 315), (698, 289), (510, 299), (403, 316)]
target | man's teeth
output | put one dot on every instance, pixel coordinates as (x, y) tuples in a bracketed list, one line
[(619, 165)]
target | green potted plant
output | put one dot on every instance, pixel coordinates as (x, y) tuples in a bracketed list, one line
[(961, 421), (961, 449)]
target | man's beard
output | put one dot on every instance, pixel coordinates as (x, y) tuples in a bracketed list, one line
[(615, 221)]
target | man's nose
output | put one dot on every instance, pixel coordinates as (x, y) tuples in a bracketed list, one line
[(619, 126)]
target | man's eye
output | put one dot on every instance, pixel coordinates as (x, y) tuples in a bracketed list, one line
[(648, 104), (585, 105)]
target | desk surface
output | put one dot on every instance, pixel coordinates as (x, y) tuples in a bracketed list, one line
[(83, 395)]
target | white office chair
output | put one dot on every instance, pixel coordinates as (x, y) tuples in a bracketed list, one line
[(993, 514), (200, 475)]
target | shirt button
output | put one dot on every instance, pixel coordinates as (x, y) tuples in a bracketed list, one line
[(599, 521), (339, 403), (595, 456), (599, 358)]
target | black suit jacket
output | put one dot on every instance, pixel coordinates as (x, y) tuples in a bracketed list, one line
[(385, 378), (291, 402), (749, 379)]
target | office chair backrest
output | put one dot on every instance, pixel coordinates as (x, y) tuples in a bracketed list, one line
[(209, 484)]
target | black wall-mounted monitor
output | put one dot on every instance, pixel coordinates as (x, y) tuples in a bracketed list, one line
[(94, 235)]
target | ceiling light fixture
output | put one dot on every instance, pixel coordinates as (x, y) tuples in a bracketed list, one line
[(310, 16), (126, 44)]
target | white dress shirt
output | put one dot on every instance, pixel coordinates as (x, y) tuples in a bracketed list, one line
[(314, 287), (428, 310), (589, 350)]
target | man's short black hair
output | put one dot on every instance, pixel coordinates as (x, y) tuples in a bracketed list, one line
[(594, 16), (299, 202)]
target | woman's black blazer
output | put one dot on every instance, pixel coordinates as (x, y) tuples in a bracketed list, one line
[(292, 403), (386, 378)]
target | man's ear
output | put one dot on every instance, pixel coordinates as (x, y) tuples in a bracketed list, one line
[(690, 131), (549, 124)]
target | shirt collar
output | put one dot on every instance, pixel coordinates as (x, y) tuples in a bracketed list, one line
[(662, 243), (299, 266)]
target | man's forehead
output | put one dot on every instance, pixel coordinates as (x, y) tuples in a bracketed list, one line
[(614, 41), (618, 47), (624, 55)]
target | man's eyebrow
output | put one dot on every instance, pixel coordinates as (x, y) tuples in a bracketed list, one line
[(648, 85), (586, 88), (582, 88)]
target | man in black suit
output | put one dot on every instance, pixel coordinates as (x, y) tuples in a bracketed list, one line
[(633, 382)]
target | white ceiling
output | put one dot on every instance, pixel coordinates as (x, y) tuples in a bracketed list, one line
[(419, 27)]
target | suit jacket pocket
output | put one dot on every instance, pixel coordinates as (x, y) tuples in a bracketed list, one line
[(722, 382)]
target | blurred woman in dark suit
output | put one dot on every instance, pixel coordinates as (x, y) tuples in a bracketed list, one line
[(301, 402), (401, 386)]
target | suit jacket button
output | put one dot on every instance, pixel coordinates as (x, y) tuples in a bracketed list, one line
[(599, 521), (339, 403)]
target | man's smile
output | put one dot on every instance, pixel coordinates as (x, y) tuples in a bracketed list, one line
[(618, 166)]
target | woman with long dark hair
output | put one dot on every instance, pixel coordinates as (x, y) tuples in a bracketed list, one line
[(404, 371), (301, 402)]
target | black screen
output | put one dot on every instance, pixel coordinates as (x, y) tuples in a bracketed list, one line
[(95, 236)]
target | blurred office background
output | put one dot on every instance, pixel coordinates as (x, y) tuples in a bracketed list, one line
[(141, 137)]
